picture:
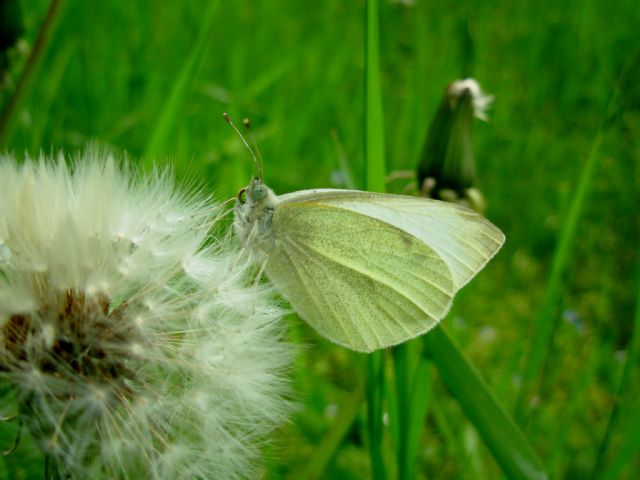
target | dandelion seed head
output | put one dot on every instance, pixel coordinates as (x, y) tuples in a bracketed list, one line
[(135, 343)]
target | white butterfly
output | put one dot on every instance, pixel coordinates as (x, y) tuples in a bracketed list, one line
[(366, 270)]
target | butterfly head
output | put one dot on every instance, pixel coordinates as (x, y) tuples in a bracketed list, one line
[(253, 193), (256, 193)]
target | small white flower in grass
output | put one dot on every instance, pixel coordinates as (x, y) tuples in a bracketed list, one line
[(479, 100), (136, 344)]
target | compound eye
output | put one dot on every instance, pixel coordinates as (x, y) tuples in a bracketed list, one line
[(258, 192)]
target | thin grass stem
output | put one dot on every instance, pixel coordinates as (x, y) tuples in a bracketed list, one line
[(11, 113)]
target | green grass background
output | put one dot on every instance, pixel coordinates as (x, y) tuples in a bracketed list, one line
[(152, 79)]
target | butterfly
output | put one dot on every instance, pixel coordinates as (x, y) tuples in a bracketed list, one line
[(366, 270)]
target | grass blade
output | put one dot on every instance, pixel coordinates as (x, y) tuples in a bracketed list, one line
[(375, 168), (500, 434), (374, 173), (410, 402), (418, 405), (546, 319), (375, 428), (8, 119), (627, 452), (169, 115), (325, 451), (626, 384), (401, 415)]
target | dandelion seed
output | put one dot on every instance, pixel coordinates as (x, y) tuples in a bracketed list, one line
[(136, 346)]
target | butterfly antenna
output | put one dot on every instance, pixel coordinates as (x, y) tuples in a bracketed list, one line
[(253, 155), (246, 123)]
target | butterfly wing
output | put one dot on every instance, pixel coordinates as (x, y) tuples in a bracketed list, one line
[(360, 281), (465, 240)]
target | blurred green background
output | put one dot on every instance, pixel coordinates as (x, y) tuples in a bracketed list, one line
[(152, 79)]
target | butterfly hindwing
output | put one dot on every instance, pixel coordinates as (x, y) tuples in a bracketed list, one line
[(358, 280)]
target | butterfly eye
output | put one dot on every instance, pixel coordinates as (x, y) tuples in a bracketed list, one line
[(242, 195), (258, 192)]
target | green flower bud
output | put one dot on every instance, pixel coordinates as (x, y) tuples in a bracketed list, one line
[(447, 163)]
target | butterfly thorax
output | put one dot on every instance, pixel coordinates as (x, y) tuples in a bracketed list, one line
[(254, 216)]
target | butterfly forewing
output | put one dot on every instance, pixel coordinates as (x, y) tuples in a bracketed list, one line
[(360, 281), (465, 240)]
